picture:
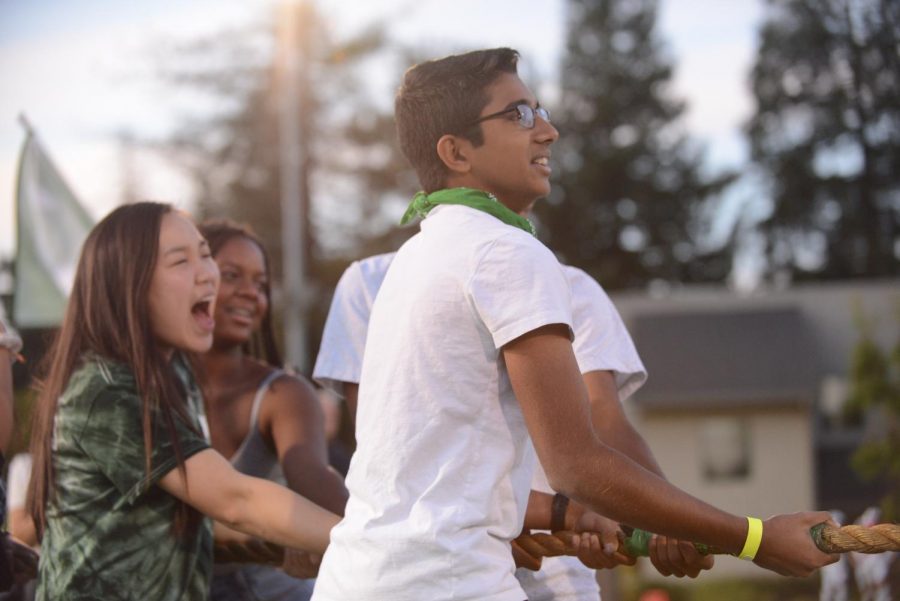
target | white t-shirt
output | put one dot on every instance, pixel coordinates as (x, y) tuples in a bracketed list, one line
[(441, 474), (344, 337), (17, 480), (601, 343)]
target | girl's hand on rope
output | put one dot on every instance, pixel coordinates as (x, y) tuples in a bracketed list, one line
[(787, 547), (301, 564), (251, 550), (22, 558), (673, 557), (598, 542), (524, 559)]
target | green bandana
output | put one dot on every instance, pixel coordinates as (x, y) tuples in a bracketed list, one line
[(483, 201)]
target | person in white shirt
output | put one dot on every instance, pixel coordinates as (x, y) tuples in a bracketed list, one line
[(469, 359), (836, 577), (10, 345), (21, 525), (18, 563), (872, 571), (601, 343)]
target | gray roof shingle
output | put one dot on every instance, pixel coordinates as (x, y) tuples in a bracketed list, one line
[(710, 359)]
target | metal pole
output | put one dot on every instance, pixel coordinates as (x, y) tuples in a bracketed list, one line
[(292, 160)]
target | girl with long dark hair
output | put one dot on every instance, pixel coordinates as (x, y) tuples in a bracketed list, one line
[(123, 473)]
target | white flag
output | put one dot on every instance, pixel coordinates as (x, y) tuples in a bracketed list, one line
[(51, 227)]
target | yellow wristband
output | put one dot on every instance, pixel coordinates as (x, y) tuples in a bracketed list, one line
[(754, 538)]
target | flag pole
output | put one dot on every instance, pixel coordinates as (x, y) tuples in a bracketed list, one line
[(293, 56)]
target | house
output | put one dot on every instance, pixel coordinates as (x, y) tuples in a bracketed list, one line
[(743, 407)]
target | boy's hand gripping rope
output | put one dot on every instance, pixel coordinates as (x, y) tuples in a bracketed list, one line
[(877, 539)]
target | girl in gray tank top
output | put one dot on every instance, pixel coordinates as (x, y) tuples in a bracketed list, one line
[(268, 422)]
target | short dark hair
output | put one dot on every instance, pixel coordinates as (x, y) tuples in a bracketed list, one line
[(441, 97)]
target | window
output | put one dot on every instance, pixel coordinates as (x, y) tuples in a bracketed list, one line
[(725, 449)]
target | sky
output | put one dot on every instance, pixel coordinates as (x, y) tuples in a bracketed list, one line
[(82, 72)]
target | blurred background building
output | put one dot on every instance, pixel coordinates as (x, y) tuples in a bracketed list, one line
[(748, 401)]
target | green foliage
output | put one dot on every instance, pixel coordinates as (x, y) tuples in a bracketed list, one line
[(353, 173), (23, 406), (768, 589), (869, 376), (826, 134), (780, 590), (875, 387), (872, 459), (629, 204), (892, 399), (351, 166)]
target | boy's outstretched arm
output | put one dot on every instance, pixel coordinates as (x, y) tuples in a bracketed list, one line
[(670, 556), (548, 385)]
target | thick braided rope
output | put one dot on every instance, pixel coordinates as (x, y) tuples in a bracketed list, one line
[(544, 544), (877, 539), (261, 553)]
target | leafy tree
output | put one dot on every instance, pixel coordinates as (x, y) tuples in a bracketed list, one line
[(233, 154), (630, 204), (827, 135), (875, 386), (353, 172)]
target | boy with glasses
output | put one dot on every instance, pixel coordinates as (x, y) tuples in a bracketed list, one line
[(612, 371), (469, 359)]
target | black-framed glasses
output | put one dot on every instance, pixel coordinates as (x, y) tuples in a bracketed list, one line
[(525, 115)]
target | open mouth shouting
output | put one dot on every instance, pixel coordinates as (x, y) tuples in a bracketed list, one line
[(202, 314)]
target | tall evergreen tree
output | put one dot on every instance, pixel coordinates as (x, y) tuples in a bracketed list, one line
[(630, 204), (352, 167), (875, 387), (233, 156), (827, 134)]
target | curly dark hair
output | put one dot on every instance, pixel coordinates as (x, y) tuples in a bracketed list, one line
[(219, 232)]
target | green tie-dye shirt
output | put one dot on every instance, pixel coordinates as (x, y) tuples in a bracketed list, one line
[(109, 527)]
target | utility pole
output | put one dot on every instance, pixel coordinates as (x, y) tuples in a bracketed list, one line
[(293, 55)]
